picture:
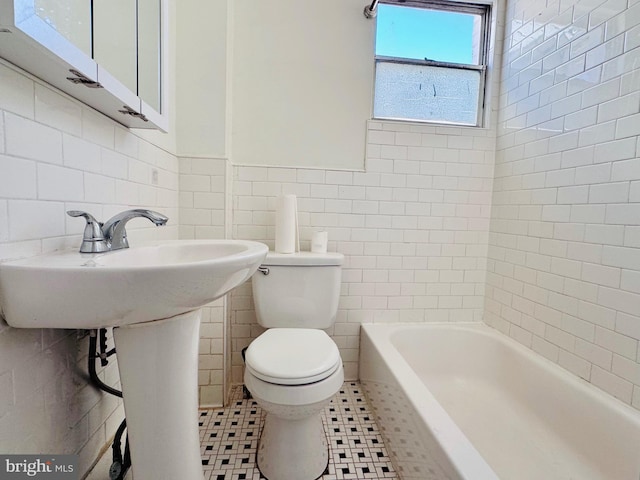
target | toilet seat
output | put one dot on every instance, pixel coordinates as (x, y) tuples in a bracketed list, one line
[(292, 356)]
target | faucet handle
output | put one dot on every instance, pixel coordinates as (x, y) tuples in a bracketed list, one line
[(93, 240)]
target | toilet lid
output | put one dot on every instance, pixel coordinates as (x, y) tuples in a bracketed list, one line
[(292, 356)]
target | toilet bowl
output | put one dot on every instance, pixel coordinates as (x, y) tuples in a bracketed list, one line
[(294, 368), (293, 374)]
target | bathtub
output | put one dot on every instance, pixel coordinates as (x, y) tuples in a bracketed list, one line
[(463, 401)]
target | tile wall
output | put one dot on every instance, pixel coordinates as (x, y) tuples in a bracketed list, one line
[(564, 255), (413, 228), (57, 154), (203, 192)]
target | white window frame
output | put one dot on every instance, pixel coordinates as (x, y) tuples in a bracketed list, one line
[(482, 9)]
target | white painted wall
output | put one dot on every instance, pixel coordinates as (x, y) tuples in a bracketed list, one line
[(201, 78), (302, 83)]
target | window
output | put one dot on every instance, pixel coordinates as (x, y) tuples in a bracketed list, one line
[(431, 62)]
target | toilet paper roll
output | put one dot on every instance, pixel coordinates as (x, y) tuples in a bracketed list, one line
[(287, 224), (319, 242)]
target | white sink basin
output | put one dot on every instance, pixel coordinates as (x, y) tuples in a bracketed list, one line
[(134, 285), (153, 295)]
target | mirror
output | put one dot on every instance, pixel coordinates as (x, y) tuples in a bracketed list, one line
[(70, 18), (149, 53), (105, 53), (114, 39)]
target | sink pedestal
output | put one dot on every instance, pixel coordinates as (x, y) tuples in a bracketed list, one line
[(158, 364)]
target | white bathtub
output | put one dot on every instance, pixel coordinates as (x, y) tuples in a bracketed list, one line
[(463, 401)]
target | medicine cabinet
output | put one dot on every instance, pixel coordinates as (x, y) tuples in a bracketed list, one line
[(109, 54)]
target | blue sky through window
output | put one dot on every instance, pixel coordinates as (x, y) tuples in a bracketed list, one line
[(420, 33)]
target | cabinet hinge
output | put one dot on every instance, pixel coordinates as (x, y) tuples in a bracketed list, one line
[(133, 113), (83, 80)]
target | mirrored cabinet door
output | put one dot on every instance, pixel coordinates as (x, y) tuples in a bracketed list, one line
[(70, 18), (115, 40), (149, 53), (108, 54)]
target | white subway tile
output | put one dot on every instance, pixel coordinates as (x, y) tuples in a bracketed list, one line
[(112, 164), (605, 234), (588, 41), (205, 166), (628, 126), (97, 128), (80, 154), (603, 132), (623, 213), (630, 281), (634, 192), (626, 368), (260, 174), (408, 139), (193, 183), (626, 302), (32, 219), (60, 183), (621, 64), (99, 189), (581, 119), (601, 93), (20, 134), (381, 137), (57, 110), (17, 178), (619, 107), (609, 193), (126, 142), (588, 213), (4, 225), (605, 51), (393, 152), (616, 255), (17, 92), (632, 236), (572, 195), (631, 38), (585, 80), (128, 193), (625, 170), (611, 384), (629, 82), (601, 275), (574, 364), (616, 342)]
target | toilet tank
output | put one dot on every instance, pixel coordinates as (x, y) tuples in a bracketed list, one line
[(301, 290)]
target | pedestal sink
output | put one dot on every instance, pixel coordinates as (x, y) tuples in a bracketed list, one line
[(153, 295)]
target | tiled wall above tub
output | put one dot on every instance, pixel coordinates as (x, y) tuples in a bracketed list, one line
[(57, 154), (564, 256), (413, 228)]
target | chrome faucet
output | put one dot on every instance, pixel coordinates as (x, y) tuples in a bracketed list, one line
[(115, 232), (111, 235)]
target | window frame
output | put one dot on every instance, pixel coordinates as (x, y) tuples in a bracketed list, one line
[(477, 8)]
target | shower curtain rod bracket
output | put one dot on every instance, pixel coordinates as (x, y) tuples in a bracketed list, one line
[(370, 11)]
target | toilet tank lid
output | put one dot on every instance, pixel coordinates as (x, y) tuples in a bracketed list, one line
[(303, 258)]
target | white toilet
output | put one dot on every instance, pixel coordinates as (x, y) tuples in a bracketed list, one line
[(294, 368)]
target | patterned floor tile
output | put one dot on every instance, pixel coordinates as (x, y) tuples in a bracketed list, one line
[(229, 439)]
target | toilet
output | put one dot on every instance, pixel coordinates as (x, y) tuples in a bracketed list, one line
[(294, 368)]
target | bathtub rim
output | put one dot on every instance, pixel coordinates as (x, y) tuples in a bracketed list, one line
[(460, 452), (379, 336)]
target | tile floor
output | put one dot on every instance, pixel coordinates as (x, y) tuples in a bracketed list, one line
[(229, 439)]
